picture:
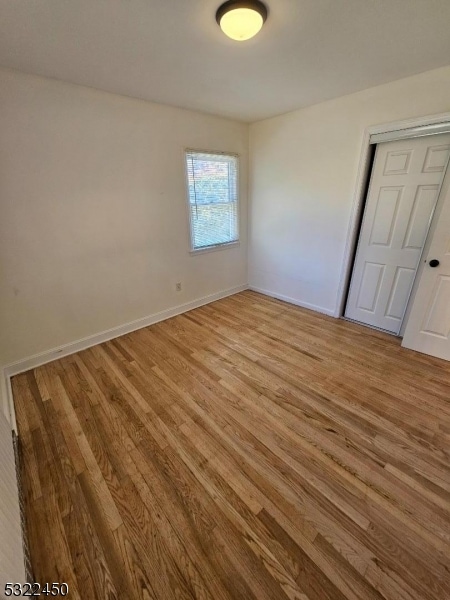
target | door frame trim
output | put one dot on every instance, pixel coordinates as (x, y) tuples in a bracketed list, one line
[(360, 191)]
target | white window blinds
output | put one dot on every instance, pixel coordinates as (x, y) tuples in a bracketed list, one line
[(213, 198)]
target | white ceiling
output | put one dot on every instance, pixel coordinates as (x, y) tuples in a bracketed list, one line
[(172, 51)]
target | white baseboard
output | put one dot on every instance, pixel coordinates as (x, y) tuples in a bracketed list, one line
[(320, 309), (6, 405), (42, 358)]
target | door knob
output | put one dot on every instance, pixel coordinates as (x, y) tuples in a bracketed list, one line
[(434, 262)]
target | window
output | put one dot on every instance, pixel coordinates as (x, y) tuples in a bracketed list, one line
[(212, 180)]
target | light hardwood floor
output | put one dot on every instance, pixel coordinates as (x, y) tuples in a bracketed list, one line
[(248, 449)]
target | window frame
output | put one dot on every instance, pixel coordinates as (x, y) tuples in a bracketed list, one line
[(221, 245)]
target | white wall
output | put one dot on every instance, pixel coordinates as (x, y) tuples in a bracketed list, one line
[(93, 227), (93, 219), (303, 173)]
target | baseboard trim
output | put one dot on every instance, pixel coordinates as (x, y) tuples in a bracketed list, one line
[(320, 309), (42, 358), (7, 406)]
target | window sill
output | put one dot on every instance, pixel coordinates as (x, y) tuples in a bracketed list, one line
[(215, 248)]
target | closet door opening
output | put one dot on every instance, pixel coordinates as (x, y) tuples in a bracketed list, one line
[(402, 195)]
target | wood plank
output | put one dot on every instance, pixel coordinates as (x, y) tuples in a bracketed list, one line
[(246, 449)]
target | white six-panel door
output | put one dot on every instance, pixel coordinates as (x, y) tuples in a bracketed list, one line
[(428, 326), (404, 188)]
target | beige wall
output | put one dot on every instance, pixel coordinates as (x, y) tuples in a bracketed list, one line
[(303, 173), (94, 226)]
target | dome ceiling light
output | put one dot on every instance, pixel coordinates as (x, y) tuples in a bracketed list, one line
[(241, 20)]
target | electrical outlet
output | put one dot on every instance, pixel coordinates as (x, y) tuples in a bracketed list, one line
[(178, 286)]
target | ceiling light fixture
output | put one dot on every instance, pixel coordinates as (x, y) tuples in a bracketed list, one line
[(241, 20)]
